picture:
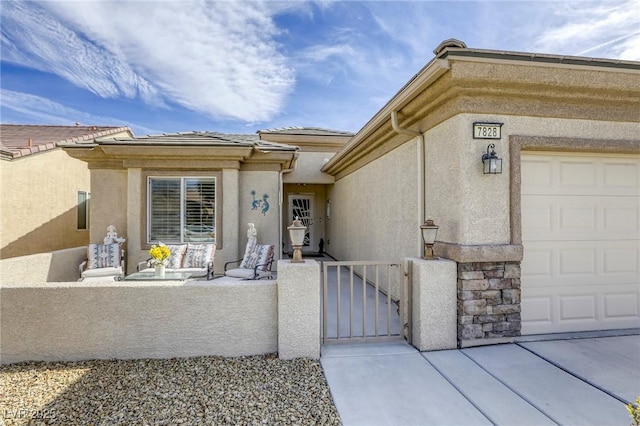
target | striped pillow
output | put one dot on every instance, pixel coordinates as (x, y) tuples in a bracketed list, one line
[(199, 255), (103, 256)]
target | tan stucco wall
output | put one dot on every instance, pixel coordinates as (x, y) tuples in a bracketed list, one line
[(308, 167), (374, 211), (108, 202), (71, 321), (472, 208), (38, 199), (298, 309), (36, 269), (267, 224)]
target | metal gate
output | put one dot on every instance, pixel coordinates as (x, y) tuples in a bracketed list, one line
[(364, 301)]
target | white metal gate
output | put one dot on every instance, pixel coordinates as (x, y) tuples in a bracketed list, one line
[(364, 301)]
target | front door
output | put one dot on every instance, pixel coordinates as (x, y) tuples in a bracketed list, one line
[(301, 206)]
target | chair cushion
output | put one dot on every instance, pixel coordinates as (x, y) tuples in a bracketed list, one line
[(199, 255), (177, 255), (109, 271), (103, 256), (195, 272), (257, 254), (246, 274)]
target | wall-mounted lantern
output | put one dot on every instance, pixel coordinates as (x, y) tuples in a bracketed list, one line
[(429, 232), (296, 232), (492, 164)]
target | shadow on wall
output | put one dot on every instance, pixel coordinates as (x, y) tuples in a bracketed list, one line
[(56, 234), (56, 266)]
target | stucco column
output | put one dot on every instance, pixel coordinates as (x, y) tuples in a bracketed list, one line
[(299, 309), (434, 305)]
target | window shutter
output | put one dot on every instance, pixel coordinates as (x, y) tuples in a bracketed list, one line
[(164, 210)]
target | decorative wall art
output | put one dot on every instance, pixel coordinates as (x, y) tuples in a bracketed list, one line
[(260, 204)]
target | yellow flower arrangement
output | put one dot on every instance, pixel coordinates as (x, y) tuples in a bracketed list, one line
[(634, 412), (159, 254)]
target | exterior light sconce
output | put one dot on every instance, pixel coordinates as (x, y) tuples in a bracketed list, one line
[(492, 164), (296, 233), (429, 232)]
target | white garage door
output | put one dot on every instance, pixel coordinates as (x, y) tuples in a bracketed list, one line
[(581, 237)]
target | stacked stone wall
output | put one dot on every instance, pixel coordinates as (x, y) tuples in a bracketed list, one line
[(488, 300)]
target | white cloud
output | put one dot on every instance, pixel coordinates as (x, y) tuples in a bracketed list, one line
[(603, 29), (36, 109), (216, 58)]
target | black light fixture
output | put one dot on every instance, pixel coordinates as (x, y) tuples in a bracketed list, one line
[(492, 164)]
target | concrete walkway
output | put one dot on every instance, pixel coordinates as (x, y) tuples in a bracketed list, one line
[(578, 381)]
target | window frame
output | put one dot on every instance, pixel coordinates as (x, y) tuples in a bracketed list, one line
[(83, 205), (182, 177)]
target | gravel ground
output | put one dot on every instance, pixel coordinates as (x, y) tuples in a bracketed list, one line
[(203, 390)]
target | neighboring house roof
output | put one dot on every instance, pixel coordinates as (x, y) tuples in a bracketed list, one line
[(198, 138), (308, 138), (305, 131), (20, 140)]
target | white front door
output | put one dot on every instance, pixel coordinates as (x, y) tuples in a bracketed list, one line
[(581, 238), (301, 206)]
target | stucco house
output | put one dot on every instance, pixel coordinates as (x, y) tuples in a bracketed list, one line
[(45, 192), (548, 242), (221, 181)]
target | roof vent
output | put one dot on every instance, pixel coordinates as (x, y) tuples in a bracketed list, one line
[(450, 42)]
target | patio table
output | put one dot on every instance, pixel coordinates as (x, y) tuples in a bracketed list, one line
[(151, 276)]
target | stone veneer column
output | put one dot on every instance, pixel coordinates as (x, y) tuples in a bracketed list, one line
[(488, 302)]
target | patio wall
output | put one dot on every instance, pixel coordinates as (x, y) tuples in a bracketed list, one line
[(75, 321), (55, 266)]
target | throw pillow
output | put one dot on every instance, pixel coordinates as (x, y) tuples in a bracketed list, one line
[(103, 256), (259, 254), (199, 255), (177, 253)]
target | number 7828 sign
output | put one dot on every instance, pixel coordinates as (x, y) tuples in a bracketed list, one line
[(487, 130)]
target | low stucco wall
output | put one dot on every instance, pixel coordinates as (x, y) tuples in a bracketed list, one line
[(74, 321), (434, 304), (56, 266), (298, 309)]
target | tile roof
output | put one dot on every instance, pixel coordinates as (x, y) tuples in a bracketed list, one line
[(19, 140), (307, 131), (199, 138)]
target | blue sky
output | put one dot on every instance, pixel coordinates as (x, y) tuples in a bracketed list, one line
[(230, 66)]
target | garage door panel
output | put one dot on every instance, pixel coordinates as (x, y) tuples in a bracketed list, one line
[(577, 307), (581, 238), (591, 260), (580, 308), (621, 176), (559, 174), (620, 306), (577, 261)]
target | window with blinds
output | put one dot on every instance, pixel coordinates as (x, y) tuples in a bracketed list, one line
[(181, 209), (83, 210)]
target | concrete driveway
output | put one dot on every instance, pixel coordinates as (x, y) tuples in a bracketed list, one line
[(577, 381)]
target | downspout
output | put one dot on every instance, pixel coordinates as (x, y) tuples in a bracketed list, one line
[(281, 198), (421, 171)]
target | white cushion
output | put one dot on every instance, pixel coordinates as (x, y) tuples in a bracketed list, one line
[(247, 274), (102, 272), (199, 255)]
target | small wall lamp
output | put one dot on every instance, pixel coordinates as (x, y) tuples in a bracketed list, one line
[(492, 164), (296, 233), (429, 232)]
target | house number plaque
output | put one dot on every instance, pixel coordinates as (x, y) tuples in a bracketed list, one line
[(487, 130)]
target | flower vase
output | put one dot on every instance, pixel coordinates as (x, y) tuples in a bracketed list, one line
[(159, 271)]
